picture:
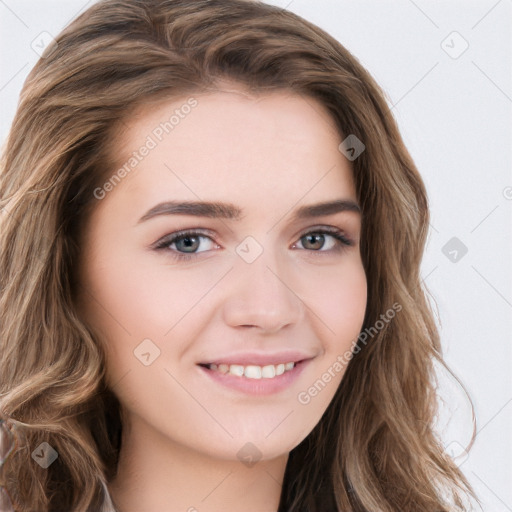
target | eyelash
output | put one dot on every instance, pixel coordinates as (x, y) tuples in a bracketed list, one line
[(164, 243)]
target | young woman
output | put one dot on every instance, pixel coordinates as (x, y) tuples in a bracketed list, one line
[(211, 236)]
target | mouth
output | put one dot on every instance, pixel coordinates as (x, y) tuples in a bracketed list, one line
[(254, 379), (252, 371)]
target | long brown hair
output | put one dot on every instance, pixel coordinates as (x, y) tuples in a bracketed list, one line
[(375, 448)]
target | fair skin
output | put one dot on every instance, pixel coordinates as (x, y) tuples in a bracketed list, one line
[(185, 431)]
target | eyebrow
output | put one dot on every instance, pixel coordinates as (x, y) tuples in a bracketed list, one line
[(230, 211)]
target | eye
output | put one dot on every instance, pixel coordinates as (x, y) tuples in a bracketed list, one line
[(186, 245), (324, 240)]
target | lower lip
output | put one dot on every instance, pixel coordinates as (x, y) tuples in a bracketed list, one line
[(257, 386)]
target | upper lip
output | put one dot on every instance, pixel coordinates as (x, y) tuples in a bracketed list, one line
[(259, 358)]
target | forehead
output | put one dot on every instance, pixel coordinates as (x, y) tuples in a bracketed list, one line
[(229, 144)]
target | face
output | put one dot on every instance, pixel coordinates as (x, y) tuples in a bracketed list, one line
[(212, 253)]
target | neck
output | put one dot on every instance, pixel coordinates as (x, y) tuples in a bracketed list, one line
[(155, 473)]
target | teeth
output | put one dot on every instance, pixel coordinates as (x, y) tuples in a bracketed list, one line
[(237, 369), (223, 368), (253, 371), (269, 371)]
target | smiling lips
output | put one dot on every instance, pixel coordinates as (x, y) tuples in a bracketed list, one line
[(253, 371), (257, 373), (256, 365)]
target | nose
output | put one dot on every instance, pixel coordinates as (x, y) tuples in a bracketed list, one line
[(261, 296)]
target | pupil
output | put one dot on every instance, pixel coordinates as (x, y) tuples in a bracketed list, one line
[(315, 239), (189, 242)]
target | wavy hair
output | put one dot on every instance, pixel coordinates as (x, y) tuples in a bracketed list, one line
[(375, 448)]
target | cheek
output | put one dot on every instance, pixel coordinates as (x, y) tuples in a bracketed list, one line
[(130, 299), (338, 299), (339, 306), (142, 295)]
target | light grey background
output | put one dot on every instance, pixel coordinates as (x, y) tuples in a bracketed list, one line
[(453, 105)]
